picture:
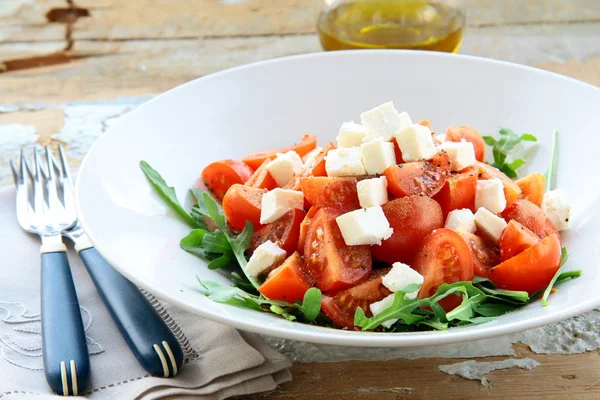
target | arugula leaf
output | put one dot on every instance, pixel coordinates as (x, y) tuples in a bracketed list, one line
[(551, 172), (564, 256), (311, 304), (505, 144), (192, 243), (168, 194), (309, 309)]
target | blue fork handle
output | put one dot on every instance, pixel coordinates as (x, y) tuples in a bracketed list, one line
[(66, 358), (147, 335)]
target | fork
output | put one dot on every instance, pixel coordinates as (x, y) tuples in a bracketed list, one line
[(145, 332), (64, 345)]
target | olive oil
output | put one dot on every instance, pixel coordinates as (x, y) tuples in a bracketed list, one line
[(391, 24)]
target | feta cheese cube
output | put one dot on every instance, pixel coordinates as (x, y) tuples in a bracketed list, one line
[(311, 156), (351, 134), (277, 202), (377, 156), (364, 226), (400, 277), (557, 208), (489, 224), (265, 258), (372, 192), (461, 154), (346, 161), (381, 305), (416, 143), (461, 221), (490, 194), (441, 137), (284, 167), (384, 121)]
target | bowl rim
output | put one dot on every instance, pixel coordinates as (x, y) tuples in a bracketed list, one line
[(337, 336)]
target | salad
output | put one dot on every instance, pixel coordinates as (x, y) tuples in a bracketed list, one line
[(392, 228)]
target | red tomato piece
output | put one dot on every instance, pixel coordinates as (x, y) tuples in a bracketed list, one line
[(531, 270), (412, 218), (485, 253), (285, 232), (261, 178), (315, 168), (304, 227), (459, 191), (221, 175), (421, 178), (533, 187), (329, 261), (242, 203), (322, 191), (531, 217), (515, 239), (341, 306), (457, 133), (307, 143), (287, 282), (444, 257), (512, 191)]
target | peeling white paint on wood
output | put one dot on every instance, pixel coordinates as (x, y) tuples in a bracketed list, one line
[(477, 370)]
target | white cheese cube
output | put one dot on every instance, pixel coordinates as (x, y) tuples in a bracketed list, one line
[(490, 194), (372, 192), (384, 121), (277, 202), (311, 156), (351, 134), (377, 156), (489, 224), (416, 143), (461, 154), (346, 161), (265, 258), (381, 305), (461, 221), (557, 208), (400, 277), (364, 226), (284, 167), (441, 137)]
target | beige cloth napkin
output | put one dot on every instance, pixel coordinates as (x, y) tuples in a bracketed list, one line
[(220, 361)]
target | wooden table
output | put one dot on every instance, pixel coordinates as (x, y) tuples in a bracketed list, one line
[(67, 71)]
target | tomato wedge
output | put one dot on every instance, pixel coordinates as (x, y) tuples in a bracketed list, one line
[(515, 239), (242, 203), (444, 257), (341, 306), (322, 191), (329, 261), (306, 144), (412, 218), (457, 133), (512, 191), (459, 191), (287, 282), (285, 232), (485, 253), (531, 270), (531, 217), (304, 225), (261, 178), (421, 178), (221, 175), (533, 187), (315, 168)]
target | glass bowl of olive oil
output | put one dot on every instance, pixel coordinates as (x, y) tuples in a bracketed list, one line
[(436, 25)]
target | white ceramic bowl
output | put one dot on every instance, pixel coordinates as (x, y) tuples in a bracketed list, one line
[(271, 104)]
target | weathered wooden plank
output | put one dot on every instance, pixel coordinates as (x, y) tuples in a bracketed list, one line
[(557, 377), (24, 20), (112, 69)]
